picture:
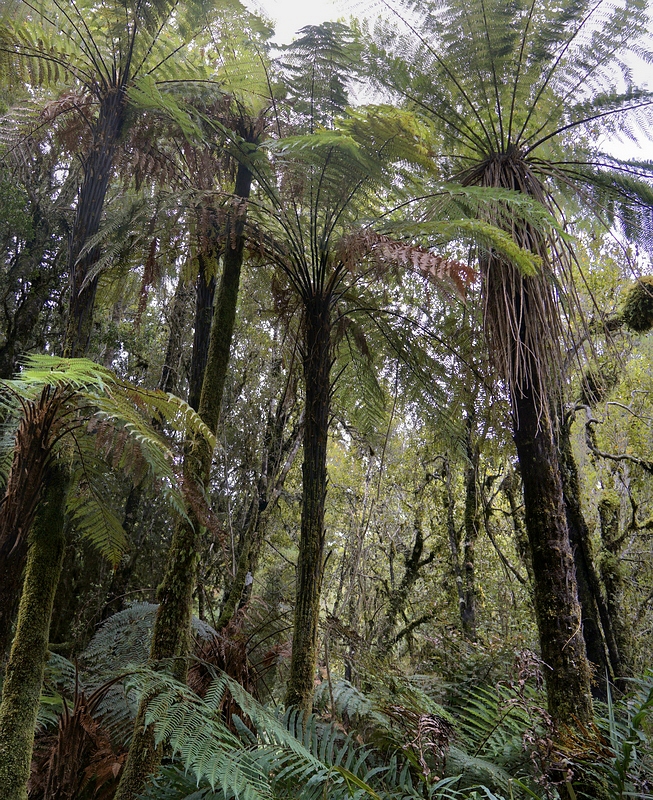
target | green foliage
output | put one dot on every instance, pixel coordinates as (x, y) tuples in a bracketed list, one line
[(101, 417)]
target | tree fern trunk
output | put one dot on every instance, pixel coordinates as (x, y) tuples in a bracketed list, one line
[(317, 378), (90, 204), (24, 487), (22, 687), (554, 582), (170, 638)]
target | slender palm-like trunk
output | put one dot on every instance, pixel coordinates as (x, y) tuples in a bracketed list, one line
[(310, 562), (90, 205), (22, 687), (554, 582), (169, 379), (523, 323), (170, 638), (205, 295)]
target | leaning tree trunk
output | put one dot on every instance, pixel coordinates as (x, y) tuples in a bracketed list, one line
[(171, 635), (21, 691), (310, 561), (554, 582)]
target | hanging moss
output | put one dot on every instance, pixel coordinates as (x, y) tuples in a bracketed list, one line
[(637, 311)]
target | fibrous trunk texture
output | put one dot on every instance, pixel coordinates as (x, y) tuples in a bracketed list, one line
[(170, 638), (310, 561), (204, 294), (21, 691)]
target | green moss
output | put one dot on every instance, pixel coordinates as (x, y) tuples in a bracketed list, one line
[(637, 311), (22, 686)]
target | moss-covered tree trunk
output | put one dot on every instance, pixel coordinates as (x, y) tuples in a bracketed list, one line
[(612, 573), (555, 594), (22, 687), (170, 638), (510, 487), (468, 609), (169, 380), (310, 561), (204, 297), (602, 648)]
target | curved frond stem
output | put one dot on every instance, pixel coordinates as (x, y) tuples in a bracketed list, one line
[(96, 58), (35, 53), (520, 62), (588, 120), (535, 103), (442, 63)]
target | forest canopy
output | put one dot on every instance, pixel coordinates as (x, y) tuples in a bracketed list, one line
[(326, 397)]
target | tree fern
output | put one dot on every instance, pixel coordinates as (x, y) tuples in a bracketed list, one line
[(97, 417)]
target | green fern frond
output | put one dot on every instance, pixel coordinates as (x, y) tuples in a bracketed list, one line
[(98, 523)]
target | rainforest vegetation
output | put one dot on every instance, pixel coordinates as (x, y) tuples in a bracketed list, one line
[(326, 388)]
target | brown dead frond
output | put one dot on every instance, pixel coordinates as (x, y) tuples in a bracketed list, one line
[(426, 735), (79, 759), (31, 457), (225, 651), (385, 252)]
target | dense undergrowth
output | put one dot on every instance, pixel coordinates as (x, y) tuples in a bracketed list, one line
[(392, 737)]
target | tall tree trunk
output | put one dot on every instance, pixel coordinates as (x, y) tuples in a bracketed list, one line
[(468, 609), (454, 544), (170, 638), (310, 561), (90, 205), (204, 294), (169, 380), (602, 649), (613, 580), (21, 691), (554, 583), (517, 516)]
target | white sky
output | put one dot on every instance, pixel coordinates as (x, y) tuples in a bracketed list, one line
[(291, 15)]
